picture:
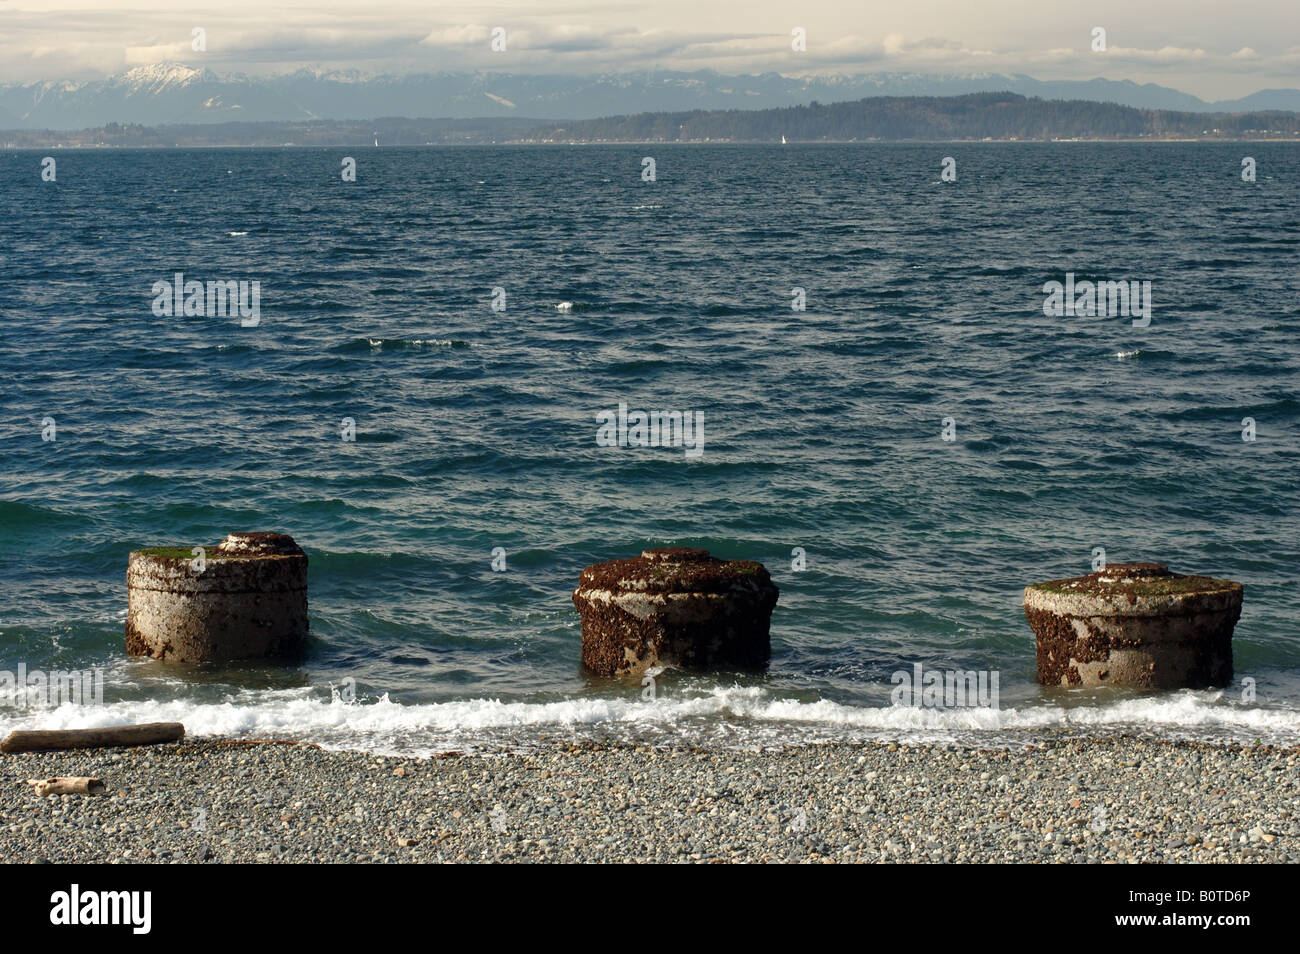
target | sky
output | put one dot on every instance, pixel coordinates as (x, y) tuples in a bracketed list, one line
[(1214, 49)]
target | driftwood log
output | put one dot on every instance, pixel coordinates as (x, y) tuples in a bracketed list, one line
[(38, 740), (80, 785)]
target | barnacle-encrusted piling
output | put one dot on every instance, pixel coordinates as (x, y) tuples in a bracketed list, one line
[(1134, 624), (674, 606), (245, 598)]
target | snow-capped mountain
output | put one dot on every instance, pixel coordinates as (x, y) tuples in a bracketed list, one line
[(178, 93), (160, 77)]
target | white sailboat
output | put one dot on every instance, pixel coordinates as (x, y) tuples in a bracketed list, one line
[(783, 140), (376, 138)]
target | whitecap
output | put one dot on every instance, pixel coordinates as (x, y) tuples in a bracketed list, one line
[(745, 717)]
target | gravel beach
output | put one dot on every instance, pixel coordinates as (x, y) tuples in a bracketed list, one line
[(1117, 800)]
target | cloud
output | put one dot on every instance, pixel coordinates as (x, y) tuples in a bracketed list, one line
[(458, 36), (1192, 43), (156, 53), (1166, 54)]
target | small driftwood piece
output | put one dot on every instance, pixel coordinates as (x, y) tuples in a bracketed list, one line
[(38, 740), (77, 785)]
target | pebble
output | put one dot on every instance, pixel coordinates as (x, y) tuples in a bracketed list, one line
[(1072, 800)]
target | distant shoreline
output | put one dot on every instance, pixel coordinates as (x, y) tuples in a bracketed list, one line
[(975, 117), (88, 147)]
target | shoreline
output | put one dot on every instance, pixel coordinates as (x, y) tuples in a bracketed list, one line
[(87, 147), (1080, 800)]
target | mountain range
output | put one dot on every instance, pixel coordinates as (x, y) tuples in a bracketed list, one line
[(173, 93)]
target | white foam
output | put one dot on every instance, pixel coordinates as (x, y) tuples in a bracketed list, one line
[(378, 343), (744, 717)]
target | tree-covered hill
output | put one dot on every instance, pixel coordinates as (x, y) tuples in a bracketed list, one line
[(977, 116)]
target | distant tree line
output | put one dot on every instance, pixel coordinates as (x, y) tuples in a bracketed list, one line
[(324, 132), (975, 116), (897, 118)]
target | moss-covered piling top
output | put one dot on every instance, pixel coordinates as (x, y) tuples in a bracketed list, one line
[(1135, 581), (257, 545), (210, 552), (674, 570)]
